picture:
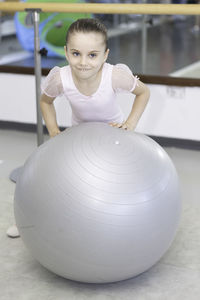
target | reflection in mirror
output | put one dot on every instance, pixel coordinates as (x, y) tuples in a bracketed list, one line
[(150, 45)]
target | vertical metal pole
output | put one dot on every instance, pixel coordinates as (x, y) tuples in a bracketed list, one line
[(40, 138), (115, 17), (115, 20), (0, 27), (144, 42), (37, 56)]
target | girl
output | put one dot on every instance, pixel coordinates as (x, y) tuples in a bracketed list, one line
[(90, 84)]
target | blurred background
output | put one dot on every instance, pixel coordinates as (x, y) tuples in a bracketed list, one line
[(150, 45)]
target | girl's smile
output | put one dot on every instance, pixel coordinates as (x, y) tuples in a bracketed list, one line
[(86, 54)]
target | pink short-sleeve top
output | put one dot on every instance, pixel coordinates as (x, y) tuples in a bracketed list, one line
[(102, 106)]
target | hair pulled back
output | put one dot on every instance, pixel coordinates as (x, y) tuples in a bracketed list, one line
[(86, 26)]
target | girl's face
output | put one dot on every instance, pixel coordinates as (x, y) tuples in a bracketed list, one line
[(86, 54)]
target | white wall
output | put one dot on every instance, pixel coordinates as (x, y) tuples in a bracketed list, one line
[(171, 111)]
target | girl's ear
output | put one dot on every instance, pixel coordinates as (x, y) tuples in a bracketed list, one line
[(66, 55), (106, 54)]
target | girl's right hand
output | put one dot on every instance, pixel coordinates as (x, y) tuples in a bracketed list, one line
[(52, 134)]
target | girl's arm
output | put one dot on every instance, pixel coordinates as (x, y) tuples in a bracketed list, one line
[(142, 94), (49, 114)]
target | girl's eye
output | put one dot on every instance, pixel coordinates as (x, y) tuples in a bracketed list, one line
[(92, 55), (75, 53)]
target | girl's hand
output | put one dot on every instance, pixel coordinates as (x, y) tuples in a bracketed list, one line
[(125, 125), (54, 133)]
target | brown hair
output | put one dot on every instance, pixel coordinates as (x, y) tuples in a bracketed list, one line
[(88, 25)]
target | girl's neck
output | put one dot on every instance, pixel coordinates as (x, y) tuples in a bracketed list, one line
[(88, 86)]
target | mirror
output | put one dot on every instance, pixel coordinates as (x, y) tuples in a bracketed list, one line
[(150, 45)]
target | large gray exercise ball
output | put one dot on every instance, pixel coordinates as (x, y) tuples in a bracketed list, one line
[(98, 204)]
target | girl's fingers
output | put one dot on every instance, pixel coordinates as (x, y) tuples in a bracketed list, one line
[(120, 125), (124, 126), (115, 125)]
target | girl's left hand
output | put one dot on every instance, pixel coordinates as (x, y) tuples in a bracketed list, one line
[(125, 125)]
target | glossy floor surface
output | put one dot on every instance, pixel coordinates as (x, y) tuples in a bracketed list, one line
[(175, 277)]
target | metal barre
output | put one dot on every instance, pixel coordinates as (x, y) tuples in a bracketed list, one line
[(110, 8)]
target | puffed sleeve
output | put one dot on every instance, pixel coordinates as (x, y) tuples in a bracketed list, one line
[(52, 84), (123, 79)]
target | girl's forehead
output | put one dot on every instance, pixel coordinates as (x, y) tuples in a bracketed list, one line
[(86, 39)]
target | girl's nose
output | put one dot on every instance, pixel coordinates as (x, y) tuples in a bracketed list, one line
[(83, 60)]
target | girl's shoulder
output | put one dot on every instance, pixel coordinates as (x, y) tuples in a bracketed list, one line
[(122, 68), (57, 70), (118, 67), (123, 78), (52, 85)]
